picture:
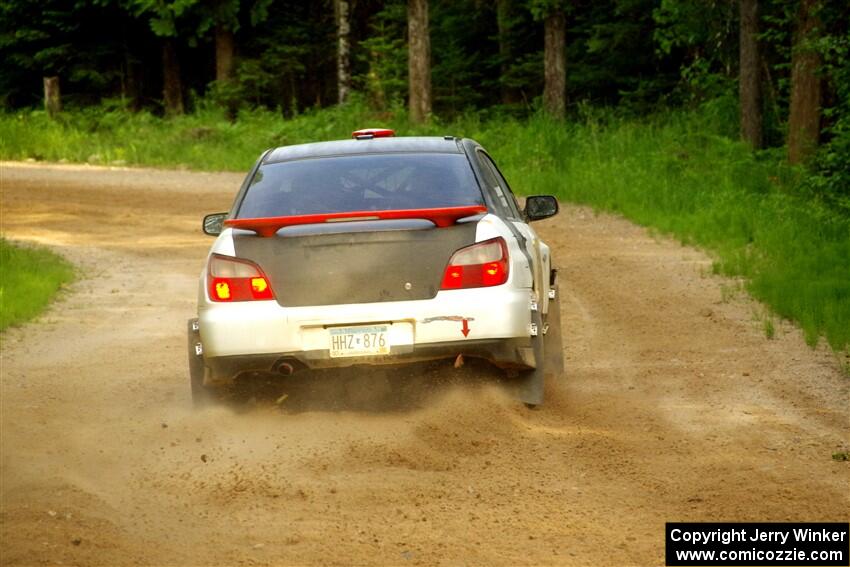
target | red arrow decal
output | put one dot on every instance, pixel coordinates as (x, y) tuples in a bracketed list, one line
[(465, 329)]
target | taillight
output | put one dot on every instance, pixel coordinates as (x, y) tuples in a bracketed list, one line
[(481, 265), (236, 280)]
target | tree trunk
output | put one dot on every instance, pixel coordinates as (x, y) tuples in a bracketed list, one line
[(223, 53), (749, 83), (130, 81), (52, 99), (375, 88), (343, 51), (555, 71), (504, 13), (419, 60), (804, 119), (172, 88)]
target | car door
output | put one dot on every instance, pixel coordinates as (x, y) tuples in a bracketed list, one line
[(509, 210)]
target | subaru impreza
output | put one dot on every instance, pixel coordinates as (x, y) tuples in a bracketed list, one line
[(376, 250)]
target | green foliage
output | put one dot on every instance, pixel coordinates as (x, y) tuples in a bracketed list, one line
[(163, 14), (195, 19), (47, 38), (525, 74), (612, 58), (37, 39), (382, 57), (704, 34), (222, 12), (831, 178), (641, 55), (542, 8), (287, 63), (463, 55), (29, 278)]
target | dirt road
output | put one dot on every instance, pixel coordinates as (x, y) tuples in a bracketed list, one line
[(675, 407)]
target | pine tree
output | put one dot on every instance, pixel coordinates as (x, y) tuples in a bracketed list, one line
[(419, 60)]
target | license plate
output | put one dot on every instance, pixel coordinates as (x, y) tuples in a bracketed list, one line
[(364, 340)]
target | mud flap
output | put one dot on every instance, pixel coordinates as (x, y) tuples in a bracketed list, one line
[(201, 396), (554, 348), (532, 381)]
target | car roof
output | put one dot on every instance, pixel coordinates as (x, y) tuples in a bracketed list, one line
[(411, 144)]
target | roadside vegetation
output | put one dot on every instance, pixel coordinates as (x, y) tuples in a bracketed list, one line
[(29, 279), (683, 173)]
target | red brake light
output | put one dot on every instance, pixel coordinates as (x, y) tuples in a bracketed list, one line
[(236, 280), (481, 265), (369, 133)]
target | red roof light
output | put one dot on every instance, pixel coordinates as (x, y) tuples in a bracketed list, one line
[(369, 133)]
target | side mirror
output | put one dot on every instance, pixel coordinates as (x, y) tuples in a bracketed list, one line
[(539, 207), (214, 223)]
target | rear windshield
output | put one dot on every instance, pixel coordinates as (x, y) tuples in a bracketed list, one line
[(372, 182)]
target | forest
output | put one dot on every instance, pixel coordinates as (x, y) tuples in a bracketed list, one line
[(786, 61), (723, 122)]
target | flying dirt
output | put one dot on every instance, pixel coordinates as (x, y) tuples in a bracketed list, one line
[(674, 407)]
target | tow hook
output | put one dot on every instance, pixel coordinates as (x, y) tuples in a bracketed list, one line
[(196, 327)]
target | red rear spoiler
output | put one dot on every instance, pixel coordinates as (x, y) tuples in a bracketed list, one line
[(442, 217)]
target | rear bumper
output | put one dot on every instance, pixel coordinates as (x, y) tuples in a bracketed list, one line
[(245, 336), (507, 353)]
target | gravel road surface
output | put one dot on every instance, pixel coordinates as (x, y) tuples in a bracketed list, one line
[(674, 407)]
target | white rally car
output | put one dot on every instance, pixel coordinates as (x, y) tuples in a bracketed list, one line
[(376, 250)]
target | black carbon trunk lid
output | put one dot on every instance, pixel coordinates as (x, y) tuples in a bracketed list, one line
[(355, 267)]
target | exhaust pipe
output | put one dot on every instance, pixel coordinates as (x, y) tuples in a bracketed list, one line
[(285, 369)]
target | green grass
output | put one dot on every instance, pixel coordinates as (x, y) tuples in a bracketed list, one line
[(768, 327), (201, 141), (685, 179), (30, 278), (683, 174)]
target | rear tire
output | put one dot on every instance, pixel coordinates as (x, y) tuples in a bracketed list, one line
[(201, 395)]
